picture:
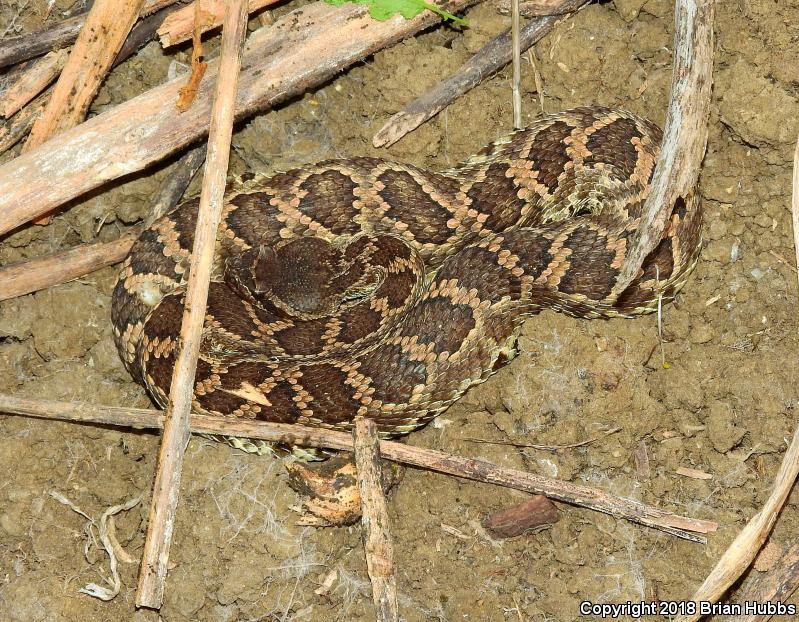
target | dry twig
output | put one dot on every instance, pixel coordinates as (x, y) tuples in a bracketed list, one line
[(374, 520), (30, 276), (693, 473), (795, 206), (20, 124), (517, 66), (774, 585), (12, 75), (546, 447), (176, 183), (468, 468), (737, 558), (107, 26), (18, 49), (101, 37), (496, 54), (32, 82), (14, 50), (36, 274), (684, 135), (301, 50), (153, 569), (179, 26), (145, 29), (533, 8), (198, 65)]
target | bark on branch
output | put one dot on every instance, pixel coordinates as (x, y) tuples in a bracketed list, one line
[(152, 573), (493, 56), (303, 49), (17, 49), (684, 135), (468, 468), (374, 520)]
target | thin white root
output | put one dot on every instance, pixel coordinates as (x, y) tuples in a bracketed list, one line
[(108, 539)]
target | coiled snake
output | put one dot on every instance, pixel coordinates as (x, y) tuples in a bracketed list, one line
[(367, 287)]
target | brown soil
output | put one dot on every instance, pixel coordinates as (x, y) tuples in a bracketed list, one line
[(725, 403)]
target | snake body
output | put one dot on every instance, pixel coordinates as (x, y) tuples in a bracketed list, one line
[(368, 287)]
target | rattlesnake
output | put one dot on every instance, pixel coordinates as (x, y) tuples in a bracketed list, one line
[(368, 287)]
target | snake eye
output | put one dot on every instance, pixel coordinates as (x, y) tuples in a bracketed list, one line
[(366, 287)]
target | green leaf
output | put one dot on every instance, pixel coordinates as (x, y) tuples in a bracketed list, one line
[(381, 10)]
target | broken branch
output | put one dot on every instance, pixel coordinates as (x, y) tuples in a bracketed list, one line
[(303, 49), (374, 520), (176, 183), (32, 82), (773, 585), (468, 468), (30, 276), (24, 47), (152, 574), (496, 54), (684, 135), (533, 8), (179, 26), (106, 28), (17, 126)]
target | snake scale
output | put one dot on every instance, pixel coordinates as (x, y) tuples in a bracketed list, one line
[(369, 287)]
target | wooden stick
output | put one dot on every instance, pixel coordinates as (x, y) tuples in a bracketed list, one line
[(18, 126), (737, 558), (684, 135), (795, 205), (532, 8), (374, 520), (153, 569), (496, 54), (145, 30), (32, 82), (102, 36), (36, 274), (24, 47), (106, 28), (468, 468), (13, 75), (517, 67), (15, 50), (773, 586), (302, 49), (151, 6), (198, 64), (30, 276), (178, 27), (176, 183)]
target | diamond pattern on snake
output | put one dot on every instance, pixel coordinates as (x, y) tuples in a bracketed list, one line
[(375, 288)]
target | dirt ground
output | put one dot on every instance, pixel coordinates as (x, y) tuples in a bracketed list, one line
[(725, 403)]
